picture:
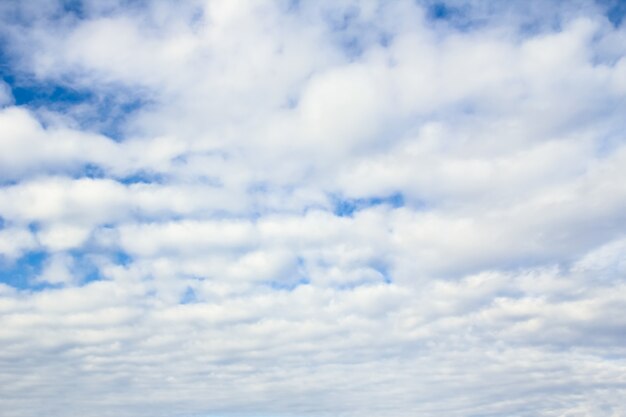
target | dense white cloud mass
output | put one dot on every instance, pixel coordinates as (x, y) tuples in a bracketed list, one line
[(312, 208)]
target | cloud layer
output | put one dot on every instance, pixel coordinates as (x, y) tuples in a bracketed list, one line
[(333, 208)]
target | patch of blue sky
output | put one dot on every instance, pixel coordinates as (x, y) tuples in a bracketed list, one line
[(34, 227), (5, 182), (92, 275), (615, 10), (189, 296), (121, 258), (299, 278), (291, 102), (385, 39), (609, 143), (91, 171), (352, 34), (352, 46), (114, 109), (346, 207), (36, 94), (383, 269), (341, 19), (287, 285), (468, 16), (143, 177), (452, 16), (292, 5), (84, 266), (16, 14), (441, 11), (27, 14), (75, 7), (21, 273), (105, 110), (81, 9)]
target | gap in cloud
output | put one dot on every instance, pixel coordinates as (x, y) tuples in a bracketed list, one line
[(385, 39), (352, 47), (76, 267), (291, 102), (612, 140), (74, 7), (453, 16), (52, 13), (34, 227), (383, 269), (22, 272), (350, 34), (347, 207), (80, 9), (114, 111), (122, 258), (292, 6), (106, 114), (84, 267), (440, 11), (91, 171), (287, 285), (189, 296), (106, 110), (37, 94), (464, 16), (8, 182), (342, 19), (113, 254), (616, 12), (143, 177)]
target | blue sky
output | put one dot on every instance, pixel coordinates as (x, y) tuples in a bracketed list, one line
[(308, 209)]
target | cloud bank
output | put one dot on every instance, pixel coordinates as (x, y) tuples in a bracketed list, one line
[(332, 208)]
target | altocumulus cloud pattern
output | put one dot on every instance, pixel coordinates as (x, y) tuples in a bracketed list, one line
[(330, 208)]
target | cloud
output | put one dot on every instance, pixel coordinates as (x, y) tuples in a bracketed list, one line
[(14, 241), (226, 208), (5, 94)]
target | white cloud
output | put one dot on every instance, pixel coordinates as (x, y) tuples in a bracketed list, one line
[(5, 94), (58, 270), (312, 209), (14, 241), (27, 148)]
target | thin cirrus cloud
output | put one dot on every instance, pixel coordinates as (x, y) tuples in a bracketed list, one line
[(287, 208)]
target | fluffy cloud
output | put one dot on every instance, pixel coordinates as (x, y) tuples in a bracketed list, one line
[(352, 208)]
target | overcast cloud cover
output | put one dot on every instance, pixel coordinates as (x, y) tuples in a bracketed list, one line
[(329, 208)]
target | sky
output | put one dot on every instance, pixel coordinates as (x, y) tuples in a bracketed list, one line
[(292, 208)]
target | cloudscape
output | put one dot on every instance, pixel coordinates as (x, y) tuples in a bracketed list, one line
[(333, 208)]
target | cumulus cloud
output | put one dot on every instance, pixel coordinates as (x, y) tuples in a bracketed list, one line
[(333, 208)]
